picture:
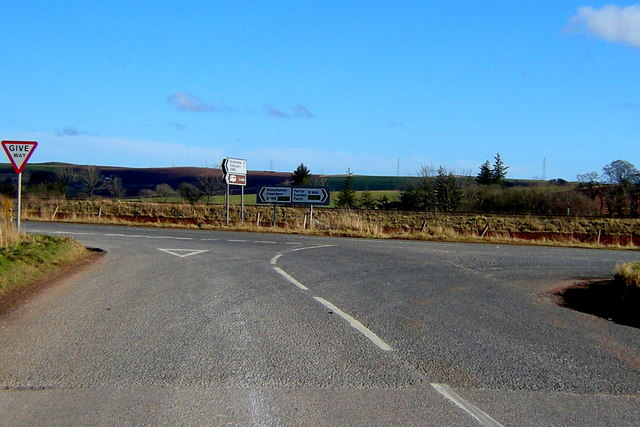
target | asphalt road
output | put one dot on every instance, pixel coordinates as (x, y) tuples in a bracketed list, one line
[(211, 328)]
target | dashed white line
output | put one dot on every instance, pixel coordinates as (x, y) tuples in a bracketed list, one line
[(290, 279), (237, 241), (468, 407), (312, 247), (356, 325)]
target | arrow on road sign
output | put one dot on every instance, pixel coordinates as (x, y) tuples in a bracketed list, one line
[(19, 153)]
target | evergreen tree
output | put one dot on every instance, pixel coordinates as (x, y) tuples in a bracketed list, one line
[(301, 176), (347, 196), (499, 172), (367, 201), (485, 176)]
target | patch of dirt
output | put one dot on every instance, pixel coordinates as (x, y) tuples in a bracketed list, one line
[(21, 295), (602, 298)]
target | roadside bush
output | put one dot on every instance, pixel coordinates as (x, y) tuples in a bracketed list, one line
[(628, 274)]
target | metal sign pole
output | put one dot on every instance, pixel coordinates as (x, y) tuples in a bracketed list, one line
[(242, 204), (274, 214), (226, 203), (19, 203)]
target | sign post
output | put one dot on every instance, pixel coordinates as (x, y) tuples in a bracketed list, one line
[(19, 153), (235, 173)]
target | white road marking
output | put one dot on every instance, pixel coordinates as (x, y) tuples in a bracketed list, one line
[(292, 243), (183, 238), (264, 241), (469, 408), (312, 247), (356, 325), (183, 253), (274, 260), (237, 240), (209, 240), (68, 232), (290, 279)]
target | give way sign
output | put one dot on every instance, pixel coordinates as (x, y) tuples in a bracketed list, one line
[(19, 153)]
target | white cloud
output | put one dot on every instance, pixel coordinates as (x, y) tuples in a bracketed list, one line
[(187, 102), (611, 23)]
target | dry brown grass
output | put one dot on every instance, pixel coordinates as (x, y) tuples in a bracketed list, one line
[(8, 233), (551, 231), (628, 274)]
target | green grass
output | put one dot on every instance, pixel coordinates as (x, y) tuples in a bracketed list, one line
[(33, 257)]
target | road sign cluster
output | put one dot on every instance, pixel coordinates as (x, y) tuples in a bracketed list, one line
[(235, 171)]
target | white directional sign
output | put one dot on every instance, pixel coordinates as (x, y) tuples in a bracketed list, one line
[(235, 166), (19, 153), (294, 195)]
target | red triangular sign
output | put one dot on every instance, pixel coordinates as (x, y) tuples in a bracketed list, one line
[(19, 153)]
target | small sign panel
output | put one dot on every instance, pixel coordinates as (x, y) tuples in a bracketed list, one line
[(235, 179), (19, 153), (274, 195), (310, 195), (235, 166)]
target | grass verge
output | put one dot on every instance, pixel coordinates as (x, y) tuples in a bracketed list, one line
[(32, 258)]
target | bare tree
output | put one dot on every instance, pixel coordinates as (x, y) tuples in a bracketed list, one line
[(91, 179), (65, 178), (114, 187), (210, 185)]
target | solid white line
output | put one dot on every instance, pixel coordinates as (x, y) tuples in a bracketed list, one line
[(312, 247), (290, 279), (469, 408), (356, 325)]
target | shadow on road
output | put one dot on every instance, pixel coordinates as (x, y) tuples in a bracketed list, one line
[(604, 299)]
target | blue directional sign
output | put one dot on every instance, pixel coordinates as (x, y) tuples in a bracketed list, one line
[(294, 195)]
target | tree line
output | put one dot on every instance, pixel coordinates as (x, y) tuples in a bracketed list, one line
[(615, 192)]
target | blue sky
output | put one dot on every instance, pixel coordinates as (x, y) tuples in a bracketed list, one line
[(332, 84)]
